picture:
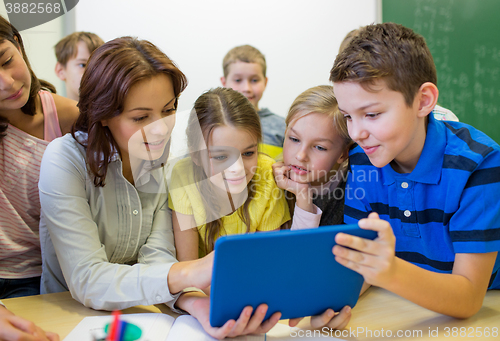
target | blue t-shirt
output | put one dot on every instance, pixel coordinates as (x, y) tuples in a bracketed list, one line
[(450, 202)]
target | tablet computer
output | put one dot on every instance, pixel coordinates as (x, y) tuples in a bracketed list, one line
[(293, 272)]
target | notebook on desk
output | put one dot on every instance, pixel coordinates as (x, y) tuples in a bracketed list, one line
[(161, 327), (293, 272)]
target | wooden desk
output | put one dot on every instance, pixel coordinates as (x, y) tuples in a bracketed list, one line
[(378, 312), (378, 309), (60, 313)]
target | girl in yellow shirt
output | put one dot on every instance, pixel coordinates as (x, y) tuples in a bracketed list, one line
[(224, 186)]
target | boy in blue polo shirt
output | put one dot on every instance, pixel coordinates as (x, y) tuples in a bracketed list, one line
[(430, 189)]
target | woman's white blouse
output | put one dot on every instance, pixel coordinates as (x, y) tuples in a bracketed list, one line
[(114, 244)]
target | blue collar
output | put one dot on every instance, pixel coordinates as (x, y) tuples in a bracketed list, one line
[(429, 165)]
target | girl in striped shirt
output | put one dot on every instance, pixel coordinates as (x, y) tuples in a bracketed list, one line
[(30, 117)]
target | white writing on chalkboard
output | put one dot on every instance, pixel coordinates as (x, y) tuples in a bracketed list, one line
[(486, 79)]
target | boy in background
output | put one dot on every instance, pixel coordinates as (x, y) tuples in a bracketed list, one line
[(72, 53), (431, 189), (245, 71)]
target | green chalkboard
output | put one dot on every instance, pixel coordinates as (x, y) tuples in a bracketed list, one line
[(464, 39)]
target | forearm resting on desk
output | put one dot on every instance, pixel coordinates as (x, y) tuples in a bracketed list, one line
[(459, 294)]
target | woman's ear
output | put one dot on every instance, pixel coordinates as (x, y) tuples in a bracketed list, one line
[(427, 97), (104, 123)]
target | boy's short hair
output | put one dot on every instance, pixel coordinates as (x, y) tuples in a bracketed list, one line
[(66, 48), (348, 38), (243, 53), (390, 52)]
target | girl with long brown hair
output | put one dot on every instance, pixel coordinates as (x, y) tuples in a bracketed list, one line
[(225, 186)]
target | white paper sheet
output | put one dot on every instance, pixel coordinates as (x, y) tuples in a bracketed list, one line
[(161, 327), (188, 328), (154, 326)]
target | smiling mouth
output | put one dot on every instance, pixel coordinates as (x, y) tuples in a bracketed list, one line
[(16, 95), (299, 170), (369, 150), (157, 143), (236, 179)]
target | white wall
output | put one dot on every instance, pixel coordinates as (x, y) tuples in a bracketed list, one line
[(299, 38)]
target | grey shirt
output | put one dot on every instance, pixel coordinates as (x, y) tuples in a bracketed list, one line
[(273, 128), (111, 246)]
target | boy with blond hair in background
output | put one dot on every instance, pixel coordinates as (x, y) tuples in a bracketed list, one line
[(245, 71)]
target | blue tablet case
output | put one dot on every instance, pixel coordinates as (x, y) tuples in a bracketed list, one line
[(293, 272)]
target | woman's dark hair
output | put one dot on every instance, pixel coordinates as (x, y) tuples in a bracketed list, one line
[(10, 33), (112, 70)]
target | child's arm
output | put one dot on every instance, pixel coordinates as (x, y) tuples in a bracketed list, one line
[(13, 327), (459, 294), (304, 220), (198, 305), (186, 236), (67, 112)]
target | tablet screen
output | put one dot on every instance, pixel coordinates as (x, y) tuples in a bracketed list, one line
[(293, 272)]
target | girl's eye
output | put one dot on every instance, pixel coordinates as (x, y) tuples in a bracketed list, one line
[(82, 65), (219, 157), (248, 154), (321, 148), (293, 139), (372, 115), (7, 62), (237, 80), (347, 117), (255, 80), (139, 119), (170, 111)]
